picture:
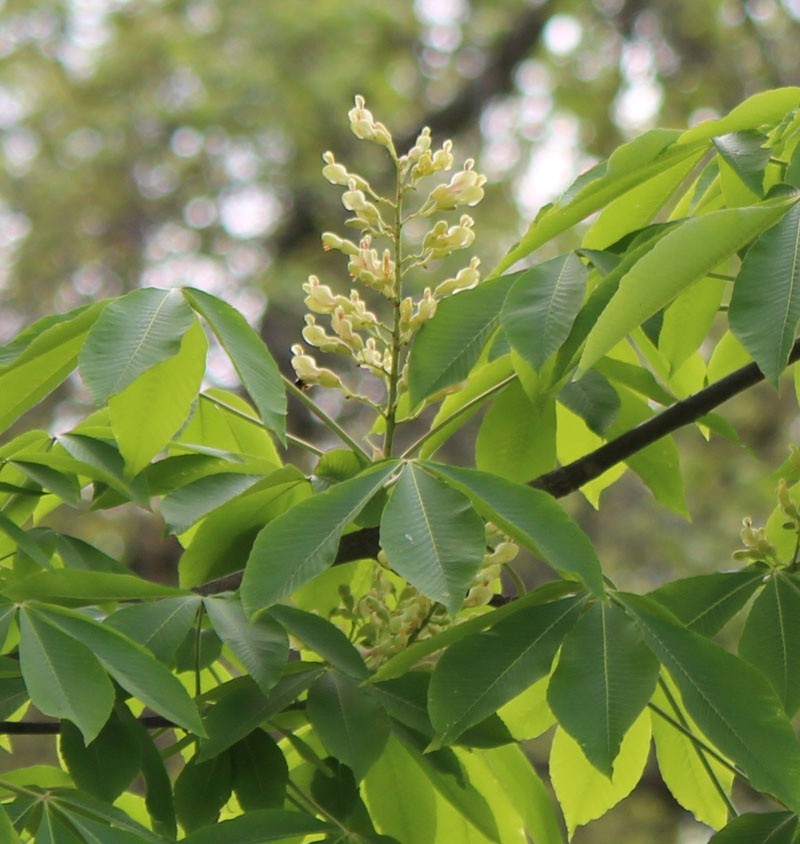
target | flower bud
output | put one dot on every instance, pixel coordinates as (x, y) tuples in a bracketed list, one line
[(478, 596), (465, 188), (355, 201), (333, 241), (426, 308), (344, 329), (422, 145), (307, 370), (465, 278), (364, 126), (505, 552), (320, 298), (442, 241)]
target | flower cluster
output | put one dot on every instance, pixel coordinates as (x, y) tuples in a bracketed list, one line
[(374, 344)]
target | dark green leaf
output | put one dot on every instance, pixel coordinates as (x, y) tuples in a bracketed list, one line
[(705, 602), (349, 722), (539, 310), (259, 827), (337, 792), (132, 334), (533, 518), (593, 399), (302, 542), (323, 638), (448, 346), (249, 355), (432, 536), (201, 790), (732, 703), (24, 541), (64, 486), (771, 637), (604, 678), (262, 647), (750, 828), (187, 504), (260, 772), (107, 765), (481, 672), (75, 804)]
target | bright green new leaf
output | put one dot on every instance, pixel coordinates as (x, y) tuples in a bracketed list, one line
[(130, 664), (705, 602), (249, 355), (161, 626), (132, 334), (63, 677), (74, 588), (541, 306), (682, 770), (223, 540), (302, 542), (262, 647), (765, 305), (771, 637), (147, 413), (680, 258), (533, 518), (201, 790), (582, 791), (411, 819), (48, 333), (732, 703), (481, 672), (752, 828), (448, 346), (322, 637), (432, 536), (260, 827), (349, 722), (517, 440), (604, 678)]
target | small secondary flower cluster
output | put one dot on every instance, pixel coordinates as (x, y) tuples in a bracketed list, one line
[(355, 331), (757, 544)]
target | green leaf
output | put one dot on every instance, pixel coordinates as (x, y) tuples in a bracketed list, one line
[(47, 333), (77, 554), (732, 703), (24, 541), (260, 772), (604, 679), (510, 444), (262, 647), (432, 536), (481, 672), (593, 399), (765, 305), (63, 678), (44, 363), (583, 792), (751, 828), (75, 587), (225, 537), (7, 831), (105, 767), (683, 772), (323, 638), (131, 665), (533, 518), (448, 346), (682, 256), (64, 486), (259, 827), (349, 722), (160, 626), (94, 832), (747, 155), (249, 355), (541, 306), (413, 817), (52, 830), (705, 602), (242, 707), (201, 790), (303, 541), (132, 334), (146, 414), (630, 165), (770, 640)]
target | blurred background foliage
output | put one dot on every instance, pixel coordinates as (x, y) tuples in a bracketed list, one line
[(171, 142)]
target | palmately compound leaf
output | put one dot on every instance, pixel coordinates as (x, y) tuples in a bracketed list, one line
[(132, 334), (249, 355), (604, 678), (732, 702), (432, 536), (752, 828), (302, 542)]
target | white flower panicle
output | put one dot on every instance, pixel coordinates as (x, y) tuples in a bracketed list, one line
[(355, 331)]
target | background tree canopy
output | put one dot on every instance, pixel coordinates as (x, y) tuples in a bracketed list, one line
[(172, 144)]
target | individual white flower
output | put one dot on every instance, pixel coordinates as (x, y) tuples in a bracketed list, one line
[(337, 174), (465, 278), (315, 335), (354, 200), (333, 241), (309, 373), (441, 240), (319, 298), (375, 271), (364, 126), (464, 188)]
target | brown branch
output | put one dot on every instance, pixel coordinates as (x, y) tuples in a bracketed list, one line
[(51, 728), (363, 544)]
